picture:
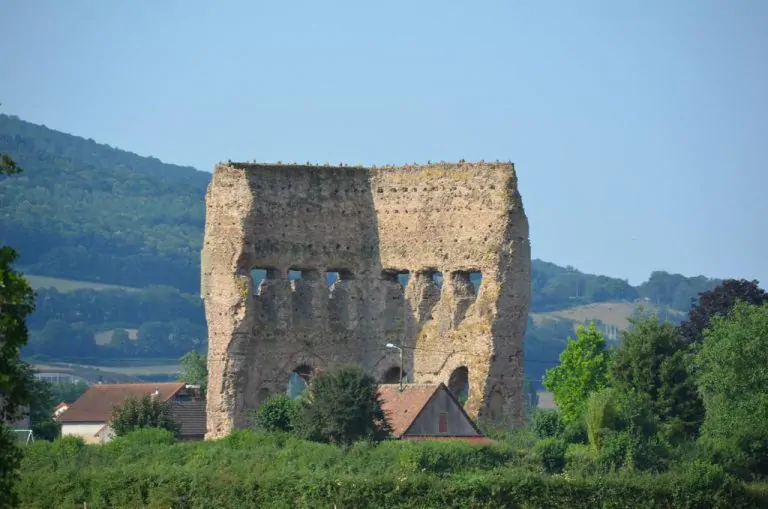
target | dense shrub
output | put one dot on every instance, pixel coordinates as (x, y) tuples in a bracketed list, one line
[(250, 469), (277, 414), (576, 432), (551, 454), (546, 423), (622, 449), (145, 412), (580, 460)]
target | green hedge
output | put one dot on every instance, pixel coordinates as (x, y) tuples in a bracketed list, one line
[(277, 471)]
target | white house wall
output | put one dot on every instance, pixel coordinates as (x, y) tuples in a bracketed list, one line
[(87, 431)]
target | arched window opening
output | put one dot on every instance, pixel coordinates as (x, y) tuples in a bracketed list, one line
[(458, 384), (392, 376), (298, 381)]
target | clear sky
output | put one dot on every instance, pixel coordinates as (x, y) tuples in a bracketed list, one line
[(639, 129)]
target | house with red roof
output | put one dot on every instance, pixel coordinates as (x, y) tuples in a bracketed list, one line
[(89, 416), (427, 412)]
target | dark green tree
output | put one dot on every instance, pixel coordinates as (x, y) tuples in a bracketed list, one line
[(342, 407), (41, 405), (16, 303), (144, 412), (733, 381), (67, 392), (651, 360)]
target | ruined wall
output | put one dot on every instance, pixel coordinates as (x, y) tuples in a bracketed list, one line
[(367, 225)]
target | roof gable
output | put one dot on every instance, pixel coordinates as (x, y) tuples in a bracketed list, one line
[(439, 390), (98, 402), (403, 406)]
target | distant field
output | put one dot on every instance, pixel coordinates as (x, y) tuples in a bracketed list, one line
[(113, 370), (611, 313), (105, 337), (70, 285)]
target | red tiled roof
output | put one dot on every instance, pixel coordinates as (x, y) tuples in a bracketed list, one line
[(402, 407), (97, 403)]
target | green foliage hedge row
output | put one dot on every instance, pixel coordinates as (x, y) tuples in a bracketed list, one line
[(146, 469)]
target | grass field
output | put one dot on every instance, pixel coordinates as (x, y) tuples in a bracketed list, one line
[(111, 370), (611, 313), (70, 285)]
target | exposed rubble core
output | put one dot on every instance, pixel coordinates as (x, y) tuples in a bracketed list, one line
[(404, 247)]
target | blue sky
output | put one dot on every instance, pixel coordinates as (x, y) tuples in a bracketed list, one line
[(639, 129)]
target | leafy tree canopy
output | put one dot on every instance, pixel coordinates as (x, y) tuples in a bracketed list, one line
[(194, 369), (717, 302), (342, 407), (16, 303), (583, 369), (651, 360), (144, 412), (732, 379), (277, 414)]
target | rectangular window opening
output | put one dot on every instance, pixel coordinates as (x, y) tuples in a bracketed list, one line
[(296, 274), (396, 275), (333, 275), (442, 423)]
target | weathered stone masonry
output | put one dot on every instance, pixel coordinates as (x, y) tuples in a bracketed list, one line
[(369, 226)]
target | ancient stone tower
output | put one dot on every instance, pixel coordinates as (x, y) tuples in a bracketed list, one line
[(403, 244)]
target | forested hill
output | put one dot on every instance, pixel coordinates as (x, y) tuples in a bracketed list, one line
[(83, 210), (87, 211)]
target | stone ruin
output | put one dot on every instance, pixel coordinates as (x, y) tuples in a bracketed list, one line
[(403, 246)]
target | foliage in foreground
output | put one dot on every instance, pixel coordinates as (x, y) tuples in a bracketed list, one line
[(145, 469), (16, 303), (583, 369), (733, 382)]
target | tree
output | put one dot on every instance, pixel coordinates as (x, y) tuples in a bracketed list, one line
[(277, 414), (41, 405), (194, 370), (68, 392), (652, 360), (145, 412), (583, 369), (717, 302), (342, 407), (16, 304), (732, 380)]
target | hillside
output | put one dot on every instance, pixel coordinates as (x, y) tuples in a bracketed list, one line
[(86, 211), (112, 243)]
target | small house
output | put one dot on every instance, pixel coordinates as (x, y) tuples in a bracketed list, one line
[(427, 412), (89, 416)]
